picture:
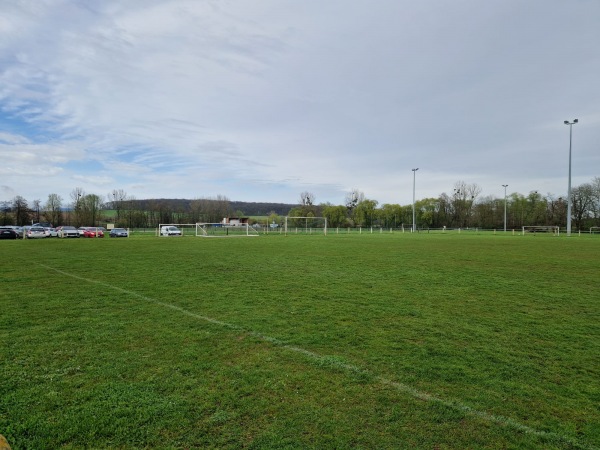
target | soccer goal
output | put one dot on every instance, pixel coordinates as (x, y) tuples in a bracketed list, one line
[(594, 230), (305, 225), (541, 229), (222, 230)]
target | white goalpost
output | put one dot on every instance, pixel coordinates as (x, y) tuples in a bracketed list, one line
[(305, 225), (204, 229), (541, 229), (594, 230)]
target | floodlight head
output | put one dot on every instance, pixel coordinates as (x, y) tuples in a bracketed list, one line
[(575, 121), (566, 122)]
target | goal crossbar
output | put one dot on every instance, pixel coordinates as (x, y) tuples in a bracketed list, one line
[(555, 230), (205, 229)]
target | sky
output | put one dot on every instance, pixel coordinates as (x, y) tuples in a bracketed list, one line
[(260, 101)]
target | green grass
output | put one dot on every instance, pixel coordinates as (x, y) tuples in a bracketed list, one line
[(344, 341)]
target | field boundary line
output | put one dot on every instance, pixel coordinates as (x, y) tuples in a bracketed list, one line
[(336, 362)]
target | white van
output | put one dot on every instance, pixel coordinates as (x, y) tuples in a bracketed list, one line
[(170, 230)]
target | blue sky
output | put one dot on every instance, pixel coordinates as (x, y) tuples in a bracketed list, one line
[(262, 100)]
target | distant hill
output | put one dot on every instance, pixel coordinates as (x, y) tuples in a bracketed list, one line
[(261, 209), (248, 208)]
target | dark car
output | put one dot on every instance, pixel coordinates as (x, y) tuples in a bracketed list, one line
[(18, 230), (8, 233), (118, 232)]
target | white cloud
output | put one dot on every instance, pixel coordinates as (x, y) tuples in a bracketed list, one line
[(262, 100)]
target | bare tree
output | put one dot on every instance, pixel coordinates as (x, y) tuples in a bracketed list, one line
[(53, 209), (307, 198), (118, 198), (353, 198), (76, 196), (36, 208), (463, 200), (210, 209)]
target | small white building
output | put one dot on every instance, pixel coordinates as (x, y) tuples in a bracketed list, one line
[(235, 221)]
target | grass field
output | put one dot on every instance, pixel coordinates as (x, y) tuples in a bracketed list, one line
[(344, 341)]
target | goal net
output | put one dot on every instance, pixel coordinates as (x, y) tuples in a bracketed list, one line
[(554, 230), (223, 230), (594, 230), (305, 225)]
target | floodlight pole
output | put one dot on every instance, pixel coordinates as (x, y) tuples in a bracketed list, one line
[(505, 186), (414, 224), (569, 189)]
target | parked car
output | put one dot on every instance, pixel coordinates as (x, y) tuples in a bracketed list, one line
[(118, 232), (43, 225), (16, 229), (170, 230), (51, 232), (8, 233), (37, 232), (67, 231), (92, 232)]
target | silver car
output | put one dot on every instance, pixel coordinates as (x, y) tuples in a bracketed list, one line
[(37, 232), (68, 232)]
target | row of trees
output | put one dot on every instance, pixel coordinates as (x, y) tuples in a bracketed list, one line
[(464, 207), (117, 207)]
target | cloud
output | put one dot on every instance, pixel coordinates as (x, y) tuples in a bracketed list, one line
[(262, 100)]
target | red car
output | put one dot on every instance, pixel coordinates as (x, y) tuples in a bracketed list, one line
[(92, 232)]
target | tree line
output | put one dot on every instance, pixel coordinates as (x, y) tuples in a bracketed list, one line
[(463, 207)]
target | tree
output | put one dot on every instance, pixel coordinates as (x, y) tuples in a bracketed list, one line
[(335, 215), (583, 204), (53, 208), (391, 215), (307, 198), (21, 211), (425, 210), (596, 200), (307, 206), (76, 195), (37, 207), (89, 209), (353, 198), (5, 217), (463, 200), (117, 199), (210, 209), (364, 213), (274, 219)]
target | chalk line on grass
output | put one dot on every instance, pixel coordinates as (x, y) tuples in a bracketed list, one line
[(327, 361)]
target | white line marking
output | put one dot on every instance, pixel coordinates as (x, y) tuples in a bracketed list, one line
[(332, 362)]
